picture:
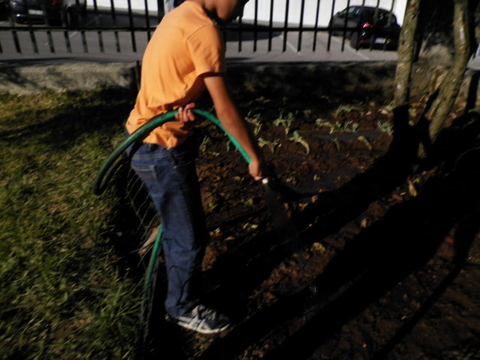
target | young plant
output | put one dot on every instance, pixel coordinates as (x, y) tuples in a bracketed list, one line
[(270, 144), (285, 122), (385, 127), (347, 109), (348, 126), (257, 128), (337, 143), (322, 122), (256, 121), (205, 143), (296, 137), (212, 205), (366, 142), (248, 202), (292, 180), (351, 126)]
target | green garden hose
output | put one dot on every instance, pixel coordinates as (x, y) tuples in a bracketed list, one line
[(279, 216), (115, 160)]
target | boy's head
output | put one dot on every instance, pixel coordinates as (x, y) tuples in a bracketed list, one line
[(224, 10)]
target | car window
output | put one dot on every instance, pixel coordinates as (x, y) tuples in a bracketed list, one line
[(379, 17), (388, 16), (351, 11), (367, 14), (385, 17)]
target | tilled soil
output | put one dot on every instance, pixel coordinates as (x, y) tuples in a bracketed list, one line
[(387, 264)]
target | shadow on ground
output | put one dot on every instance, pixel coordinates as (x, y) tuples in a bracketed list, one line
[(366, 266)]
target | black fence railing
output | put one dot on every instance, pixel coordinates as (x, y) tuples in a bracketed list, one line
[(120, 26)]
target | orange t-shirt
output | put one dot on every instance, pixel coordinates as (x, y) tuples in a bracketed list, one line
[(185, 45)]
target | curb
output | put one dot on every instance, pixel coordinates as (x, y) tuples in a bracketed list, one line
[(26, 79)]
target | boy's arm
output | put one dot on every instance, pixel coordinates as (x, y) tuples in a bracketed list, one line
[(236, 126)]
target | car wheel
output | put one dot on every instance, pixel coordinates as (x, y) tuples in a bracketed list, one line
[(355, 40)]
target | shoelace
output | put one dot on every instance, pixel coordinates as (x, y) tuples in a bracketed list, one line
[(204, 312)]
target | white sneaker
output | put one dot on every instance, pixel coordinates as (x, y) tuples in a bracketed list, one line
[(202, 320)]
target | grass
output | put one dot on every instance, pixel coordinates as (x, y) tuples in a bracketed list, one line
[(65, 294)]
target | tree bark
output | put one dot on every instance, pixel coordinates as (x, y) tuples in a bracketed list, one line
[(451, 84), (406, 54)]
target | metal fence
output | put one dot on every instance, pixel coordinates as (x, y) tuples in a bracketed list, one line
[(119, 26)]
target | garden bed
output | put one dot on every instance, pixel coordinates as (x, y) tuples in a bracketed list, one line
[(387, 262)]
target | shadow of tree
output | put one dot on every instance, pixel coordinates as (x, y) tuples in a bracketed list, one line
[(369, 264), (61, 127), (384, 254), (380, 256)]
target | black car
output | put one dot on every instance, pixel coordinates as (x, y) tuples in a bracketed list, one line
[(367, 26), (54, 12)]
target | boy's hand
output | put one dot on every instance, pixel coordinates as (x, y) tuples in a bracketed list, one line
[(186, 114), (257, 170)]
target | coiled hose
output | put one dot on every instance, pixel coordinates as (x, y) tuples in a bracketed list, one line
[(115, 160)]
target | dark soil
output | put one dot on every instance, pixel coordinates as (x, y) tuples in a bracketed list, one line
[(388, 262)]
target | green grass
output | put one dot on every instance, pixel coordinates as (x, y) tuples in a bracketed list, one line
[(64, 292)]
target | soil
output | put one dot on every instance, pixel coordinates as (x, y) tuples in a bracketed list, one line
[(387, 261)]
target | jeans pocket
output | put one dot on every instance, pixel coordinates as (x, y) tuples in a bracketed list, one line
[(146, 172)]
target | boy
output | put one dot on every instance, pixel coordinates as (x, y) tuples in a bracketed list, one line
[(185, 55)]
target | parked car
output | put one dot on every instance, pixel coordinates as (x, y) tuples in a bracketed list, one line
[(54, 12), (365, 26)]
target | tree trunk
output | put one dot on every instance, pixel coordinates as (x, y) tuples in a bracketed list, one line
[(406, 53), (451, 84)]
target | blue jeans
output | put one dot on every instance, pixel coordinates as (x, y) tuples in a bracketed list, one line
[(170, 176)]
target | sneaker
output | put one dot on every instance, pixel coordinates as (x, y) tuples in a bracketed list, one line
[(202, 320)]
